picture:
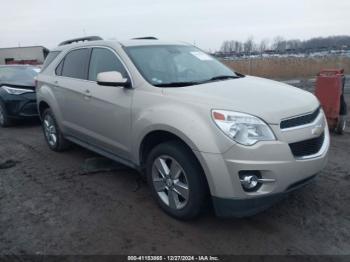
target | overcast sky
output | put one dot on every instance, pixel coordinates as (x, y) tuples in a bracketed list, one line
[(204, 22)]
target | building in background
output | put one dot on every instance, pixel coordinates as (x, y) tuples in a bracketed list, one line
[(33, 55)]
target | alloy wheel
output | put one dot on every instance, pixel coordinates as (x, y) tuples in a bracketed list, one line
[(170, 182), (50, 130)]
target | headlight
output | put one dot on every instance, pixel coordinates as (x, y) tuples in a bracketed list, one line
[(16, 91), (243, 128)]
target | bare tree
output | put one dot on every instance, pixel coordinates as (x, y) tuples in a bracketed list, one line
[(238, 47), (249, 45), (279, 44), (225, 47), (294, 44), (263, 45), (231, 46)]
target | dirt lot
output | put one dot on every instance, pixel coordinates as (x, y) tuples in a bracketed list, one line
[(49, 205)]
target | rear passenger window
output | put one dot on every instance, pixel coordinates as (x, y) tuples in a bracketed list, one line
[(76, 64), (104, 60)]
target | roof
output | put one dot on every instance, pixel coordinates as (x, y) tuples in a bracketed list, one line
[(132, 42), (142, 42)]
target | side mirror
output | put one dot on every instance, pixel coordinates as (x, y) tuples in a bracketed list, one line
[(113, 78)]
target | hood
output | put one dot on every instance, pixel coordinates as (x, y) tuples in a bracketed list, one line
[(267, 99)]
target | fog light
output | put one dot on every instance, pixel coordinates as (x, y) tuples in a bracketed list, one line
[(250, 180)]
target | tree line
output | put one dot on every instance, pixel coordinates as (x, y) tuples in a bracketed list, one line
[(281, 45)]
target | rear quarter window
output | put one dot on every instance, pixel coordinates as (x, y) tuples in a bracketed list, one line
[(59, 68), (51, 56)]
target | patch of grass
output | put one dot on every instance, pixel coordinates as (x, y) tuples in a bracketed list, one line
[(288, 68)]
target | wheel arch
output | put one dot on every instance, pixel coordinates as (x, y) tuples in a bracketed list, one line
[(156, 137), (42, 106)]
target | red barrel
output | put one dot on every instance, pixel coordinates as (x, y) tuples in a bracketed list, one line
[(329, 89)]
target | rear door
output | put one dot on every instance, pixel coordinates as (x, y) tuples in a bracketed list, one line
[(71, 91)]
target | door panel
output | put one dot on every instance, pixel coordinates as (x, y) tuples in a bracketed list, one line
[(107, 109), (98, 115), (70, 89), (107, 118), (70, 96)]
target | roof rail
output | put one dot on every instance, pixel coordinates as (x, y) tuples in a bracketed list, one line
[(81, 39), (145, 38)]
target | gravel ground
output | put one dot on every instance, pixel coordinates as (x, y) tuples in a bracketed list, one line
[(49, 204)]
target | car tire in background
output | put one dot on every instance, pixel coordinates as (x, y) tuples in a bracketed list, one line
[(341, 125), (176, 180), (52, 132), (4, 119)]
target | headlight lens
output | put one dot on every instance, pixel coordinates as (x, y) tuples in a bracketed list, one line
[(243, 128), (16, 91)]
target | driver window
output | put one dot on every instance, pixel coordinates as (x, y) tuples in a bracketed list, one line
[(104, 60)]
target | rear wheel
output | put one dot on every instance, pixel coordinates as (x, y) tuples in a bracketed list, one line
[(176, 180), (4, 119), (52, 132)]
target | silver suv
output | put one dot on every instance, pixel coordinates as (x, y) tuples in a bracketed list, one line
[(200, 132)]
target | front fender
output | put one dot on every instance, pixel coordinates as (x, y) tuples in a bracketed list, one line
[(193, 126)]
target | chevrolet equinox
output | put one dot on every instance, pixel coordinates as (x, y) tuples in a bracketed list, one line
[(200, 132)]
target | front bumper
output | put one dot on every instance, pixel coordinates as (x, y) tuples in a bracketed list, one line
[(251, 206), (274, 160), (21, 106)]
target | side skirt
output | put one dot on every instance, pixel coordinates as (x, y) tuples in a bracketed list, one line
[(103, 152)]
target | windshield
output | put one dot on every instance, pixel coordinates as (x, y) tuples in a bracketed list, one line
[(176, 65), (18, 75)]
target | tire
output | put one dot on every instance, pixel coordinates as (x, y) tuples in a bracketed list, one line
[(343, 106), (53, 135), (171, 167), (341, 125), (4, 119)]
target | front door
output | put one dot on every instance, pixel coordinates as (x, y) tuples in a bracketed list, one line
[(107, 109)]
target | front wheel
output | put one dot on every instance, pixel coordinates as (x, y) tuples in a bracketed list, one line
[(176, 180)]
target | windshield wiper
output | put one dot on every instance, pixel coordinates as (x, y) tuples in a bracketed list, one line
[(178, 84), (192, 83), (222, 77)]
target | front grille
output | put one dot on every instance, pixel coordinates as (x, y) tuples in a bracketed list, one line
[(307, 147), (300, 120)]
